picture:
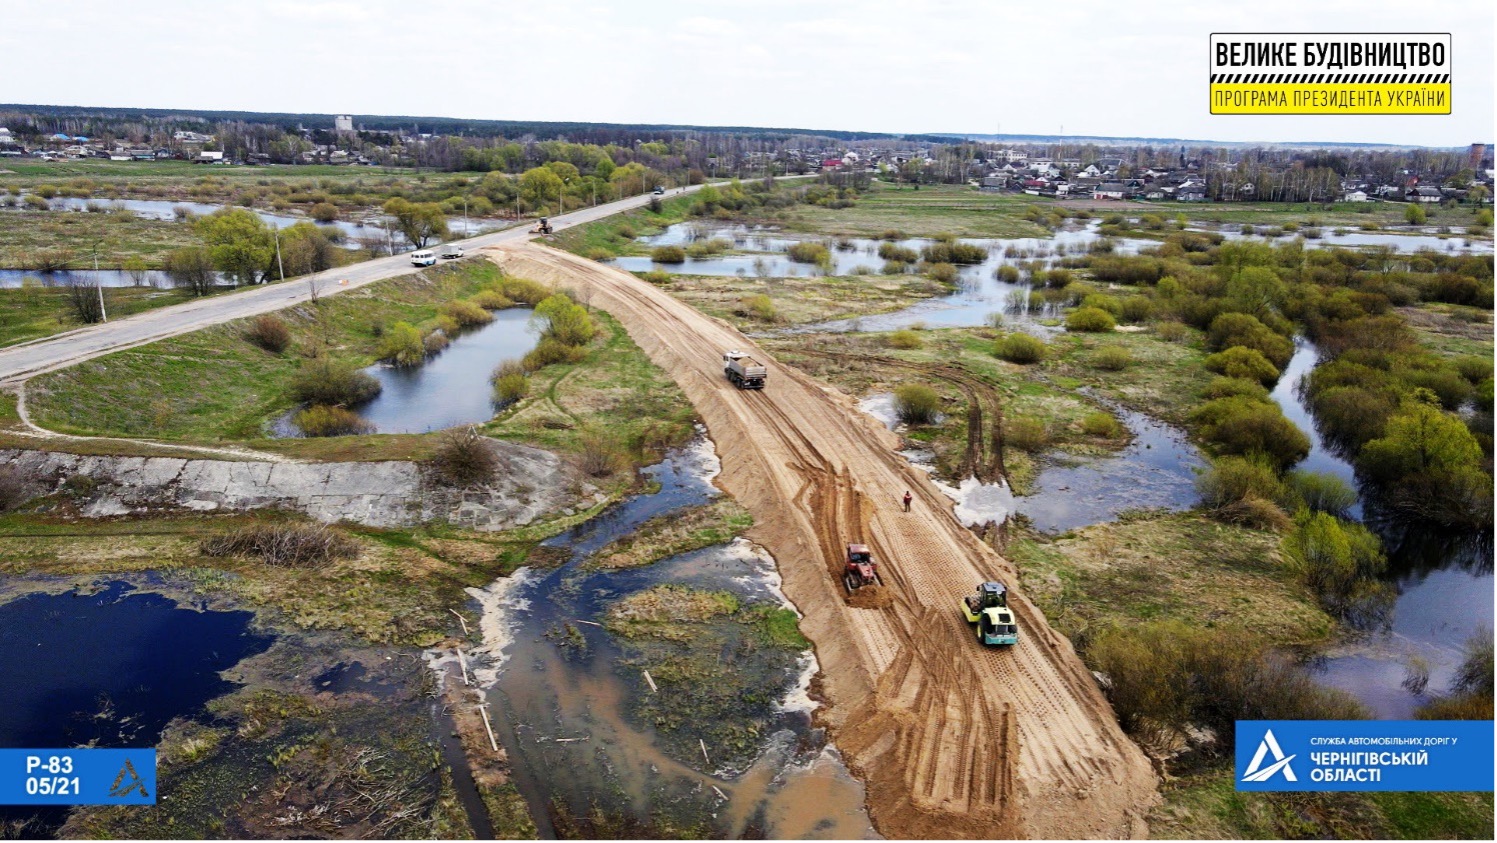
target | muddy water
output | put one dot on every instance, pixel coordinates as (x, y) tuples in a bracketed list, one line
[(564, 704)]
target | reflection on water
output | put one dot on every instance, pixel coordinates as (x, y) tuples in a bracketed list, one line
[(449, 389), (15, 278), (109, 669), (565, 721), (1356, 239)]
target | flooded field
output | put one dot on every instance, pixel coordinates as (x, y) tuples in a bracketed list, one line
[(599, 750)]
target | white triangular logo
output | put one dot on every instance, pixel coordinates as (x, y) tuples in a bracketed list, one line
[(1268, 746)]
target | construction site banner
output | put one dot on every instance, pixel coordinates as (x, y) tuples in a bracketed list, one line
[(1330, 73)]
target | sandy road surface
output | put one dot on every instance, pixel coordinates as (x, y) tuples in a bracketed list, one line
[(953, 739)]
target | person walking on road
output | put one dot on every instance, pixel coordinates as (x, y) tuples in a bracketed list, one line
[(907, 498)]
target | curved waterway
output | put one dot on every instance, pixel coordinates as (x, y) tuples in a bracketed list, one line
[(568, 691), (1444, 585)]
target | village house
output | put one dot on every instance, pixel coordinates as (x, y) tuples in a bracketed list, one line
[(1109, 190)]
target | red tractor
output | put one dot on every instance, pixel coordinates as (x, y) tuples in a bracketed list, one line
[(861, 570)]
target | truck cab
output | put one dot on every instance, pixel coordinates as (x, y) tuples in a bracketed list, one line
[(743, 371)]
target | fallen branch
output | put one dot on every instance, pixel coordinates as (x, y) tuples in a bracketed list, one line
[(460, 620), (483, 708), (651, 681), (703, 744)]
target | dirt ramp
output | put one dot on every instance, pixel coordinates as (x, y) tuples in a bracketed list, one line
[(954, 740)]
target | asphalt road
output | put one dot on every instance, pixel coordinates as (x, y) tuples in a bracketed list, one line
[(19, 362)]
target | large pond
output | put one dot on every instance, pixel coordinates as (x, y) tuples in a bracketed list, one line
[(567, 690), (451, 388), (109, 668)]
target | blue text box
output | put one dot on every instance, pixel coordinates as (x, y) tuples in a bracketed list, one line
[(77, 776), (1328, 755)]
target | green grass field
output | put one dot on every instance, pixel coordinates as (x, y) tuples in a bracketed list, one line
[(114, 236)]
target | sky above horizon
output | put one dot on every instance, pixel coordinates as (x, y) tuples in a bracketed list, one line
[(1082, 68)]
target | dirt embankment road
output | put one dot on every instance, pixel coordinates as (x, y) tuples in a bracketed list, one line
[(953, 740)]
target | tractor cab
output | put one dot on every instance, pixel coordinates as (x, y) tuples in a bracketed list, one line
[(990, 595), (996, 627), (861, 570)]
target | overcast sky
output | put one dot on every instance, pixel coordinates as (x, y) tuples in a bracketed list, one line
[(1084, 67)]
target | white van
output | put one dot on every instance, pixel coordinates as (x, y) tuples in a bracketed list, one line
[(452, 252), (425, 257)]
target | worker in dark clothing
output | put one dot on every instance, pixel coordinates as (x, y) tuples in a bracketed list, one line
[(907, 498)]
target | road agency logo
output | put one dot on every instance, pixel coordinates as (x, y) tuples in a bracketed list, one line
[(1256, 772)]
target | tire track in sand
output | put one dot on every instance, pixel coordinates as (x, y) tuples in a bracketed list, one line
[(953, 740)]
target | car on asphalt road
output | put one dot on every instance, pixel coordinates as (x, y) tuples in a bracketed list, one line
[(452, 252)]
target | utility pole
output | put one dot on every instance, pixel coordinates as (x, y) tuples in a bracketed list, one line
[(279, 265), (465, 215), (99, 285)]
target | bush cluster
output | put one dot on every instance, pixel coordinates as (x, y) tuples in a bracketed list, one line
[(283, 545)]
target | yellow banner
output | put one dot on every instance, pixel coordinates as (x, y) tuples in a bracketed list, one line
[(1325, 98)]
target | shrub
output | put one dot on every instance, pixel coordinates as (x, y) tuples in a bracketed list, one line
[(1102, 424), (550, 351), (510, 382), (283, 545), (1090, 319), (1413, 214), (436, 341), (268, 332), (1112, 358), (950, 251), (1231, 480), (668, 254), (1007, 273), (1336, 559), (894, 252), (599, 453), (324, 381), (1474, 369), (1321, 492), (1026, 434), (1429, 464), (491, 300), (1245, 427), (1171, 331), (1102, 301), (463, 458), (1242, 329), (1167, 679), (758, 306), (1224, 387), (658, 276), (943, 272), (401, 345), (905, 339), (916, 404), (523, 290), (466, 314), (1020, 348), (15, 489), (566, 321), (1137, 309), (324, 212), (321, 420), (808, 252), (1239, 362)]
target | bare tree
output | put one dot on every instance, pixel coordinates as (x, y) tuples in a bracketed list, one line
[(85, 300)]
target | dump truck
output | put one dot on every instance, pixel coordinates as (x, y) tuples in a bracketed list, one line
[(988, 608), (743, 371)]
